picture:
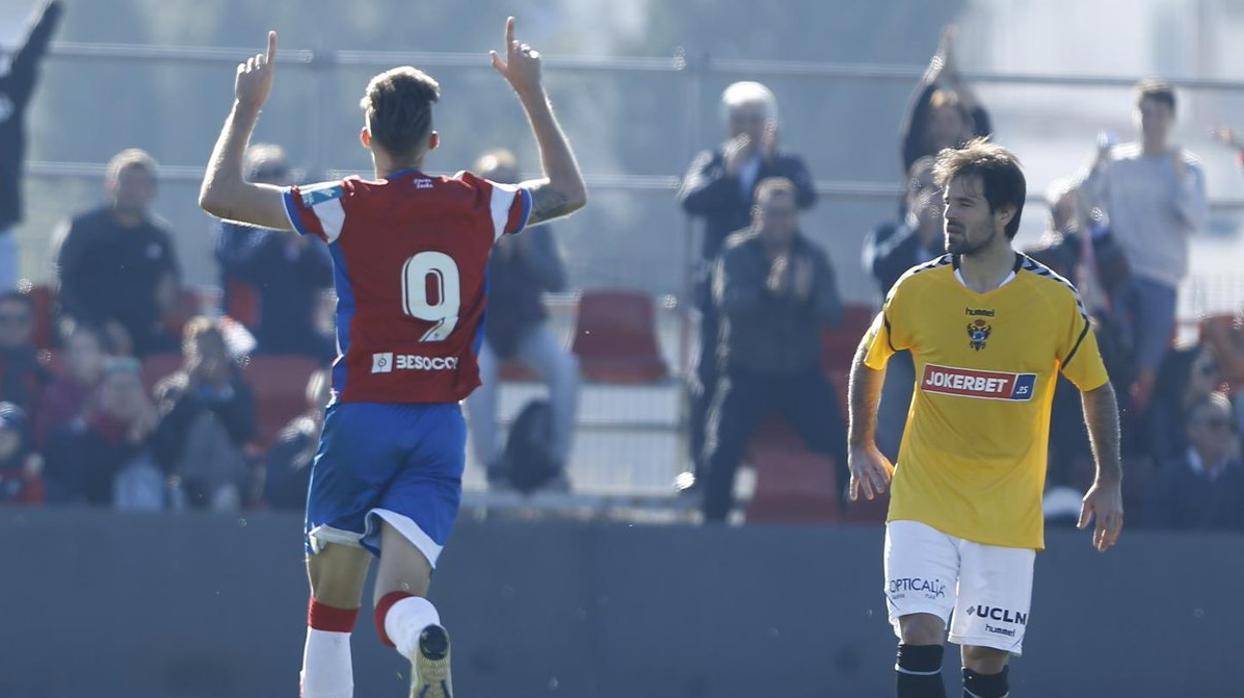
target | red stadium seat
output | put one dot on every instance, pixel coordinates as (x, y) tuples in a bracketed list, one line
[(517, 371), (280, 385), (43, 306), (243, 304), (838, 344), (157, 366), (615, 337), (793, 484)]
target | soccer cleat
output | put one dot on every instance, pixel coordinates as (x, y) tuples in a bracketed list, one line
[(430, 676)]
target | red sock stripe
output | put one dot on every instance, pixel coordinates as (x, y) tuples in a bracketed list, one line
[(382, 610), (335, 620)]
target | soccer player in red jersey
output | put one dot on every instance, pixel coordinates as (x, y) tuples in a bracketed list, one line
[(409, 253)]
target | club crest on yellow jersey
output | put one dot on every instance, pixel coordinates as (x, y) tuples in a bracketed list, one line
[(978, 333)]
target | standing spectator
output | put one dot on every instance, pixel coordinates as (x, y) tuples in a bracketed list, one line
[(889, 251), (207, 418), (944, 111), (720, 187), (287, 467), (1203, 487), (775, 291), (285, 274), (1154, 195), (20, 466), (522, 268), (67, 395), (104, 458), (22, 377), (116, 266), (16, 88)]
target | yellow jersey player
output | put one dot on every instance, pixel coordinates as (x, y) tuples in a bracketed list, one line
[(990, 330)]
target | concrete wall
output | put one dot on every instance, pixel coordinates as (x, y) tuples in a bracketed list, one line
[(190, 606)]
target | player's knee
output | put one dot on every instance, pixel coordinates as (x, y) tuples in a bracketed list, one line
[(922, 629), (986, 685), (984, 660)]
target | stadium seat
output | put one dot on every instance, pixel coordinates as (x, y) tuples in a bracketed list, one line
[(838, 344), (43, 305), (243, 304), (517, 371), (615, 337), (280, 385), (793, 484), (157, 366)]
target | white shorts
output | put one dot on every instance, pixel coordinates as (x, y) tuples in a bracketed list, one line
[(988, 587)]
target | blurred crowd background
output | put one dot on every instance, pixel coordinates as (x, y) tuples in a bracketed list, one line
[(759, 176)]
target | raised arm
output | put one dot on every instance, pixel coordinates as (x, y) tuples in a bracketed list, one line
[(870, 469), (225, 192), (24, 65), (561, 191), (1105, 498)]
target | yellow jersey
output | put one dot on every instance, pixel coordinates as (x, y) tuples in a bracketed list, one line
[(973, 456)]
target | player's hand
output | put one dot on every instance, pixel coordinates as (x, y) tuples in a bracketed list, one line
[(870, 472), (1103, 502), (521, 67), (253, 83)]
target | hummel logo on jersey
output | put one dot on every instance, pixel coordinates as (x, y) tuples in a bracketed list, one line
[(966, 382)]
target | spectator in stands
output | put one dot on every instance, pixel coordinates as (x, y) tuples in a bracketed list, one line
[(720, 187), (282, 274), (1203, 487), (522, 268), (775, 292), (16, 88), (1153, 194), (116, 266), (67, 395), (22, 377), (1224, 335), (21, 480), (889, 251), (1187, 376), (944, 111), (104, 458), (207, 418), (287, 467)]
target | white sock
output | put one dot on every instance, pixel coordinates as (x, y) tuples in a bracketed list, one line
[(406, 619), (327, 671)]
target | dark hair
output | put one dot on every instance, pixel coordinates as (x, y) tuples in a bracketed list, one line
[(999, 172), (1157, 90), (1213, 400), (398, 106), (770, 186)]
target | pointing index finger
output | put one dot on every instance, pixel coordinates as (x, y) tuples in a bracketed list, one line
[(271, 47), (509, 34)]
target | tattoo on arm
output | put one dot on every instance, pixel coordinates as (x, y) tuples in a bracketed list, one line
[(547, 203)]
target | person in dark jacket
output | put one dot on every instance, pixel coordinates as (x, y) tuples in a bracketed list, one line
[(105, 457), (285, 275), (16, 88), (775, 293), (116, 266), (889, 251), (207, 418), (1203, 487), (719, 187), (20, 467), (944, 111), (23, 378), (521, 270)]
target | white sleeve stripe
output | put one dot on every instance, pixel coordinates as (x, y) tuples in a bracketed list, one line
[(292, 214), (332, 216), (501, 200)]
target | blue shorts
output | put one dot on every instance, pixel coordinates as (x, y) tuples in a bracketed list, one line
[(400, 463)]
